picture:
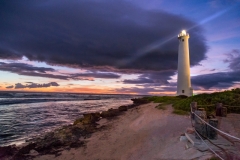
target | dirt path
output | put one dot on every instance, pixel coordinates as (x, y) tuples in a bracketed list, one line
[(142, 133)]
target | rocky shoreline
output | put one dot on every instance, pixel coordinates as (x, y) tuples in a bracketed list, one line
[(66, 137)]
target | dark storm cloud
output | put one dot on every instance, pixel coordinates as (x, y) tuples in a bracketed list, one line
[(217, 80), (221, 80), (8, 87), (158, 78), (35, 85), (95, 34), (97, 75), (138, 81), (30, 70), (7, 53), (233, 59), (22, 67)]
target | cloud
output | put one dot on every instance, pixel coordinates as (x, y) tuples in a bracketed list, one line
[(146, 90), (95, 35), (16, 67), (221, 80), (35, 85), (157, 78), (233, 59), (138, 90), (8, 87), (97, 75), (30, 70)]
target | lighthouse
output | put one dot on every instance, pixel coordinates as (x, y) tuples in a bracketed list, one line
[(183, 78)]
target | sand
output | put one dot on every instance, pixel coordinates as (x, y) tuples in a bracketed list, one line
[(141, 133)]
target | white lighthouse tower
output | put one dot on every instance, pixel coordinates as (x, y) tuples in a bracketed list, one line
[(183, 81)]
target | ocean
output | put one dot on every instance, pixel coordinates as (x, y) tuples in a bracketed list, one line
[(26, 115)]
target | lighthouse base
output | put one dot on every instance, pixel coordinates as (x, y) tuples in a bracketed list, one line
[(186, 92)]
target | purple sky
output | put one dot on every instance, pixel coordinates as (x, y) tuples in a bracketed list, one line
[(117, 46)]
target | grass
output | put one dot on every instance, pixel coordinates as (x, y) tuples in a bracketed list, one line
[(163, 99), (208, 101), (161, 107)]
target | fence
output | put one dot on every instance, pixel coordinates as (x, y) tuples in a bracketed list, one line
[(195, 116)]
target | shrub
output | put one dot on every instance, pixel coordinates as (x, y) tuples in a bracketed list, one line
[(161, 106)]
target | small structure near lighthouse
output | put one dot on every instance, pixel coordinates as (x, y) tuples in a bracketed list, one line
[(183, 78)]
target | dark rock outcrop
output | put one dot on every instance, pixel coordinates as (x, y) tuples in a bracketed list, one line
[(89, 118), (110, 113), (7, 151), (139, 101), (123, 108)]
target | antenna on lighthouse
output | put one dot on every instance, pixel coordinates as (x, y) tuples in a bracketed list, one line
[(183, 81)]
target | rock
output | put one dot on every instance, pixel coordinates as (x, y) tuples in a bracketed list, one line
[(26, 149), (132, 106), (110, 113), (139, 101), (7, 151), (33, 152), (45, 146), (89, 118), (123, 108), (77, 121)]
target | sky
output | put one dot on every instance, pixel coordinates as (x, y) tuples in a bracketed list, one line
[(117, 46)]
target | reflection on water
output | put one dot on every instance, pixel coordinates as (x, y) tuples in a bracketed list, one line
[(21, 121)]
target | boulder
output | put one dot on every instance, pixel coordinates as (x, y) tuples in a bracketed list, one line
[(89, 118), (26, 149), (139, 101), (110, 113), (7, 151), (122, 108)]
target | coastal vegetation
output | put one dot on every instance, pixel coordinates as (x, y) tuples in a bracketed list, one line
[(229, 99)]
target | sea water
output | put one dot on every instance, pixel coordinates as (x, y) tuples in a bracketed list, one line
[(27, 115)]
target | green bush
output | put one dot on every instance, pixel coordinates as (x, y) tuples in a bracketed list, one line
[(164, 99), (208, 101), (161, 106), (231, 98)]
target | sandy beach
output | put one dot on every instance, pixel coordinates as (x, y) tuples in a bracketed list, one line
[(142, 133)]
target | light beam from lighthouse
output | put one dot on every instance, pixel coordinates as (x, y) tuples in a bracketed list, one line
[(183, 81)]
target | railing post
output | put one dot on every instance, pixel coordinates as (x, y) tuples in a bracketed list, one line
[(200, 126), (212, 133), (224, 111), (218, 109), (193, 106)]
